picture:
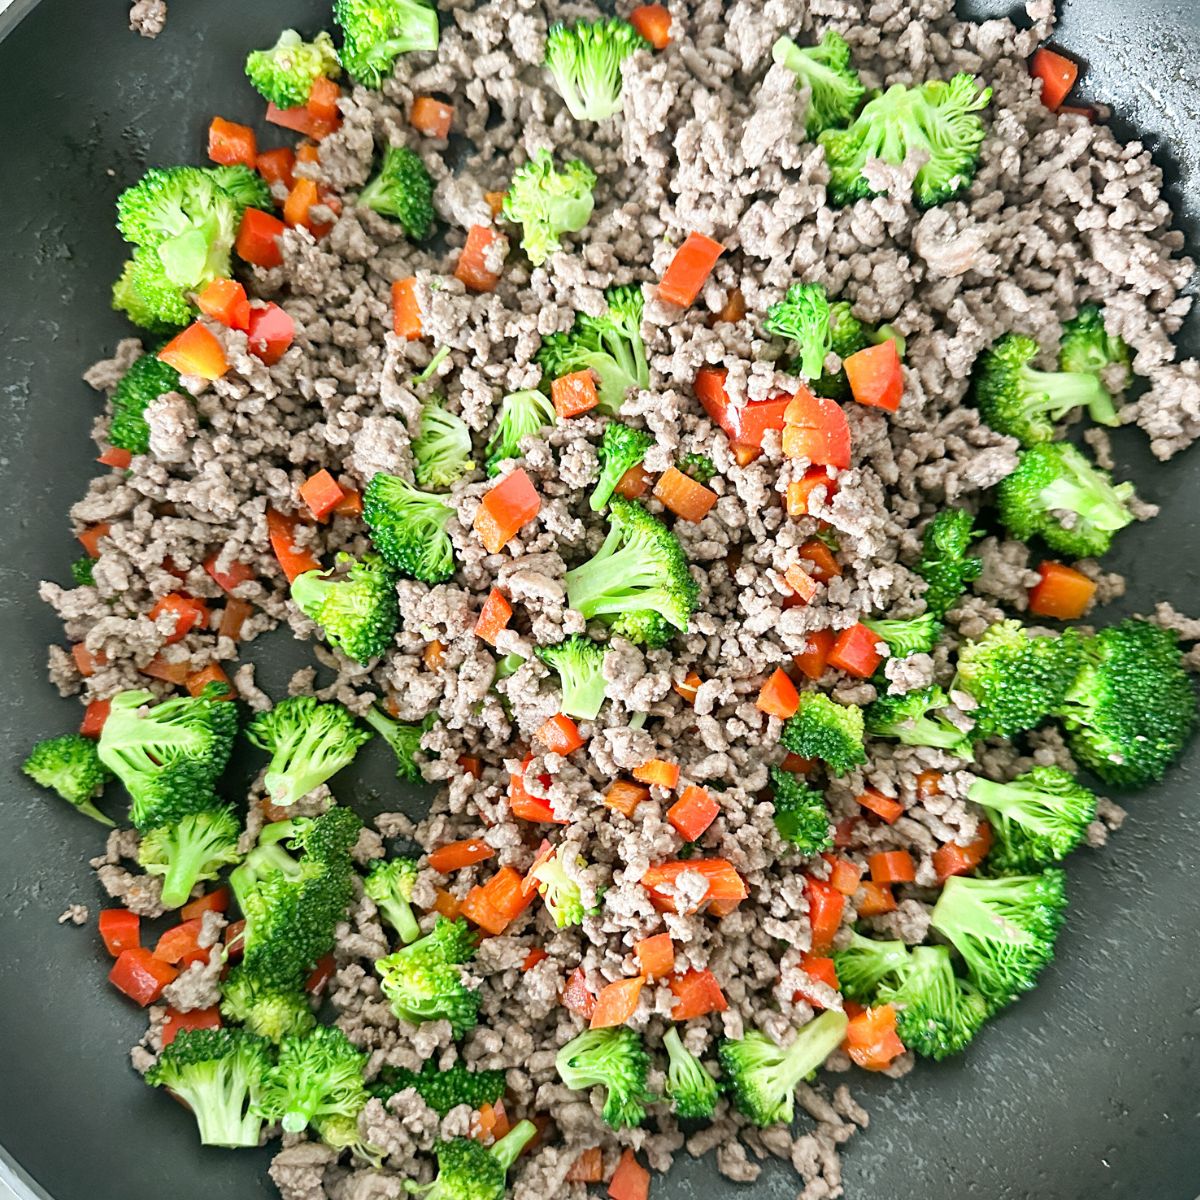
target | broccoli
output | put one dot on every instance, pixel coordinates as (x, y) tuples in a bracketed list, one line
[(442, 1089), (834, 86), (404, 739), (269, 1010), (340, 1132), (908, 718), (244, 186), (945, 565), (148, 298), (580, 665), (423, 981), (610, 345), (318, 1075), (763, 1076), (699, 467), (564, 900), (70, 765), (800, 813), (937, 1012), (547, 203), (509, 665), (936, 118), (140, 386), (1055, 478), (83, 571), (1088, 346), (585, 59), (357, 611), (1003, 928), (442, 448), (864, 963), (847, 335), (1131, 710), (390, 883), (1015, 398), (691, 1089), (220, 1075), (614, 1059), (376, 32), (1017, 680), (1038, 818), (408, 527), (638, 578), (190, 850), (402, 190), (621, 449), (468, 1170), (802, 316), (918, 635), (822, 728), (285, 74), (308, 741), (522, 414)]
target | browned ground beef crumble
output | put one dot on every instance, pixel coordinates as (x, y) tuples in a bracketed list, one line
[(1059, 214)]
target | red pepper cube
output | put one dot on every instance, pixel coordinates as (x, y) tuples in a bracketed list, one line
[(120, 929), (226, 302), (271, 333), (188, 613), (141, 976), (855, 652), (230, 144), (431, 117), (406, 312), (196, 352), (480, 262), (1061, 593), (493, 617), (1057, 73), (689, 269), (876, 376), (505, 510), (258, 238), (693, 813), (574, 394), (322, 493)]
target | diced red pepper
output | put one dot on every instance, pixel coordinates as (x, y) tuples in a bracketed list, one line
[(725, 886), (816, 428), (258, 238), (688, 499), (535, 956), (689, 269), (693, 813), (321, 493), (141, 976), (821, 969), (797, 764), (560, 735), (697, 993), (587, 1168), (94, 717), (854, 652), (882, 806), (188, 613), (952, 859), (301, 120), (197, 352), (874, 899), (527, 807), (822, 565), (506, 509), (688, 688), (215, 901), (323, 99), (473, 269), (233, 616), (180, 942), (120, 929), (117, 458), (813, 661), (1061, 593), (617, 1002), (229, 578), (876, 376), (656, 956), (635, 483), (653, 22), (747, 425), (494, 616), (294, 561), (843, 875), (431, 117), (320, 975), (778, 696), (624, 797), (168, 670), (493, 906), (630, 1181), (89, 538), (892, 866), (657, 772), (198, 681), (406, 312), (871, 1038), (800, 491), (226, 302), (455, 855), (271, 333), (198, 1018), (574, 394), (825, 907), (577, 996), (804, 586), (230, 144), (234, 944), (277, 166), (1057, 73)]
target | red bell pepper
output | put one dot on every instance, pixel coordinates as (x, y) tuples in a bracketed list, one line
[(120, 929), (271, 333), (577, 996), (215, 901), (1061, 593), (617, 1002), (141, 976), (825, 907), (778, 696), (656, 956), (258, 238), (230, 144), (188, 613), (560, 735), (197, 352), (506, 509), (431, 117), (689, 269), (494, 616), (854, 652), (1057, 73), (693, 813), (816, 428), (697, 993), (876, 377), (813, 661), (226, 302)]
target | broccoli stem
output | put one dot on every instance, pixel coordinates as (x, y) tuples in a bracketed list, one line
[(1064, 391)]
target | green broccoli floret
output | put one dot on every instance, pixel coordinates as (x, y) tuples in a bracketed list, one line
[(562, 895), (309, 742), (763, 1075), (912, 719), (83, 571), (547, 203), (864, 963), (442, 1089), (244, 186), (522, 414), (442, 448), (620, 449), (1054, 478), (918, 635), (699, 467), (847, 335), (802, 316), (691, 1089), (937, 1012), (467, 1170), (70, 765), (285, 74), (190, 850), (585, 59), (1003, 928), (404, 739), (822, 728), (318, 1075), (408, 527), (148, 298), (1132, 708), (357, 610), (610, 345), (376, 32), (340, 1132), (140, 386), (270, 1011), (219, 1074), (580, 665), (402, 190), (640, 571), (935, 117), (1088, 346), (616, 1060), (1015, 398), (800, 813), (945, 565), (423, 981), (390, 883), (825, 69)]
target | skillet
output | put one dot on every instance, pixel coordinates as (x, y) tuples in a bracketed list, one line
[(1085, 1089)]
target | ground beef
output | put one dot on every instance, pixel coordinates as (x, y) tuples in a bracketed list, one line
[(148, 17)]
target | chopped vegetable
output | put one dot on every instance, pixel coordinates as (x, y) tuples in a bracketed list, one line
[(687, 499), (913, 718), (505, 510), (493, 617), (574, 394), (800, 813), (1061, 593), (258, 239), (423, 981), (70, 765), (522, 415), (697, 993), (815, 428), (657, 772), (408, 528), (876, 377), (548, 203), (356, 608), (230, 144), (614, 1059), (376, 32), (1057, 73), (321, 493), (403, 191), (196, 352), (871, 1039), (689, 270), (442, 448), (693, 813), (141, 976), (655, 955), (147, 379), (285, 74), (481, 260), (455, 855), (621, 449), (834, 86), (406, 312), (822, 728), (120, 930), (616, 1002), (585, 59), (802, 317), (691, 1089), (946, 566), (653, 22), (293, 560), (431, 117), (630, 1181)]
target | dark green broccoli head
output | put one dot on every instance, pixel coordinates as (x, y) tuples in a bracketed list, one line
[(268, 1010), (802, 317), (699, 467), (834, 86), (800, 813), (423, 981), (319, 1074), (917, 635), (620, 449), (148, 298), (547, 203), (245, 187), (443, 1089), (190, 850), (522, 415), (585, 59), (822, 728), (945, 564), (284, 75), (693, 1092), (389, 883), (580, 665), (357, 610), (913, 719), (467, 1170), (938, 1013), (864, 963), (402, 190), (70, 765), (376, 32), (1088, 346), (140, 386), (442, 448), (408, 528), (404, 739), (615, 1060)]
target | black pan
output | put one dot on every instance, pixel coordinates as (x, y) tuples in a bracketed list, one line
[(1087, 1089)]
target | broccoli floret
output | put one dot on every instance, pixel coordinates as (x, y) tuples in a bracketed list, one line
[(800, 813), (83, 571), (802, 316), (918, 635), (408, 527), (585, 61), (376, 32), (547, 203), (220, 1075), (309, 742), (285, 74), (318, 1075), (945, 565), (467, 1170), (562, 895), (70, 765), (580, 665), (522, 414), (390, 883), (423, 982), (442, 1089), (404, 739), (269, 1011), (763, 1075), (864, 963), (148, 298), (691, 1089), (1038, 818), (1015, 398), (614, 1059), (937, 1012), (190, 850), (1132, 708), (699, 467), (357, 610), (402, 190), (935, 117), (847, 335), (140, 386), (1054, 478), (912, 719), (340, 1133), (825, 69), (1003, 928), (620, 449), (610, 345), (245, 187), (1088, 346), (442, 448), (640, 569), (822, 728)]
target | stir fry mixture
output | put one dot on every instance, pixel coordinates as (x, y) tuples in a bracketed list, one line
[(682, 439)]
